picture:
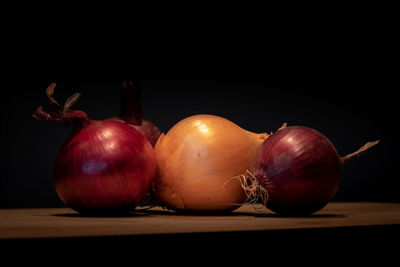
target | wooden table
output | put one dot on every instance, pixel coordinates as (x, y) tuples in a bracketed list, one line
[(64, 222), (351, 224)]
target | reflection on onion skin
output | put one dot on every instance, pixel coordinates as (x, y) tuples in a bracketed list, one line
[(106, 166)]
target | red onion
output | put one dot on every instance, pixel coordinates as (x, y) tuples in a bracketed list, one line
[(299, 170), (131, 112), (103, 166)]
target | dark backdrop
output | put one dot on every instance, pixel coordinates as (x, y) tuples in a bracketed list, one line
[(349, 107), (337, 79)]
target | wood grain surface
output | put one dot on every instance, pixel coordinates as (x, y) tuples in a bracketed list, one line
[(64, 222)]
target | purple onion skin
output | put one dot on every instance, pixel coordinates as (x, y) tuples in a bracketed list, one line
[(300, 169), (104, 167)]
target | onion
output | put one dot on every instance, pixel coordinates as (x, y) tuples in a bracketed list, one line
[(197, 157), (103, 166), (297, 170), (131, 112)]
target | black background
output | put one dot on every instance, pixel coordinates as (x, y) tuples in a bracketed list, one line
[(335, 77)]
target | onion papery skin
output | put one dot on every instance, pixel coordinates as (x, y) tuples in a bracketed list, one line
[(300, 169), (197, 160), (104, 167)]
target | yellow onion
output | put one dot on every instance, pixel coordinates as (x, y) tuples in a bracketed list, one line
[(197, 160)]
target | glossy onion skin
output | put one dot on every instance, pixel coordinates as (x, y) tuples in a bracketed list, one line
[(104, 167), (197, 157), (300, 169)]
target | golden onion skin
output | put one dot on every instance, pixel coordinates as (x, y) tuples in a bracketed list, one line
[(197, 160)]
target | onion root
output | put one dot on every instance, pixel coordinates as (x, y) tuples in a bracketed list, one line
[(251, 186)]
